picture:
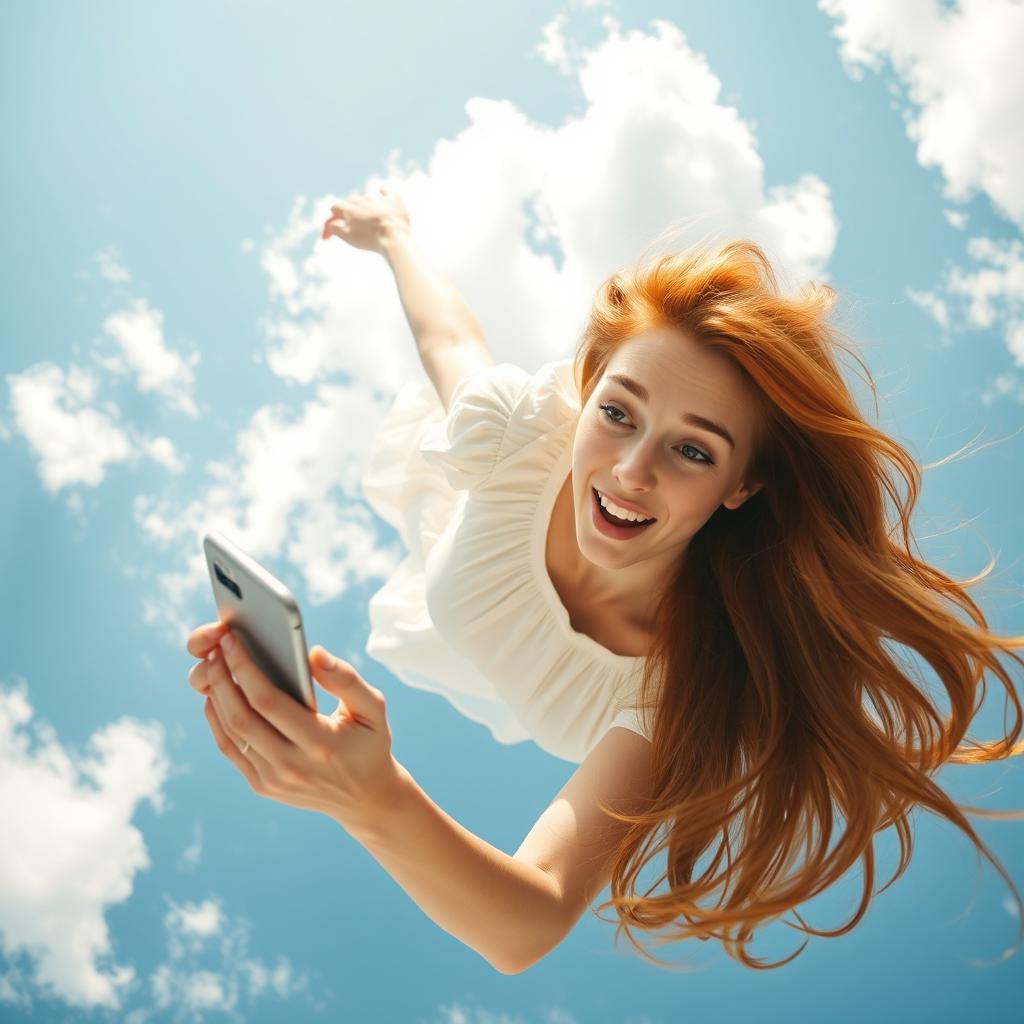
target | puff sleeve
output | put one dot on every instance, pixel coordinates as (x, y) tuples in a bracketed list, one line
[(467, 444), (629, 718)]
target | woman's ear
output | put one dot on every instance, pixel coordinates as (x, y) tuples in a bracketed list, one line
[(741, 494)]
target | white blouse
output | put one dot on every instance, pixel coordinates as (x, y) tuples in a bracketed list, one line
[(471, 612)]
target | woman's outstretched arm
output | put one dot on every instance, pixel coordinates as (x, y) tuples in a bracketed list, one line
[(434, 307), (507, 910), (515, 910)]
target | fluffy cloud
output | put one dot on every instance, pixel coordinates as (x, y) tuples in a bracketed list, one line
[(528, 218), (278, 493), (77, 854), (964, 115), (138, 333), (964, 79), (77, 851), (73, 439)]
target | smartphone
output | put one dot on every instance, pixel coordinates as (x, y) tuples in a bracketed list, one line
[(262, 613)]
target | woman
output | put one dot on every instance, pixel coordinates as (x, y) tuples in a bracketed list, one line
[(670, 563)]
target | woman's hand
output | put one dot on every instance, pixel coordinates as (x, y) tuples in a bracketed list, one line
[(339, 764), (365, 221)]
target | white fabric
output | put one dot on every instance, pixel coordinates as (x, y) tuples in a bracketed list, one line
[(471, 612)]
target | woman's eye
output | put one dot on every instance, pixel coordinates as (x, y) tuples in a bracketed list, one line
[(701, 457), (704, 457)]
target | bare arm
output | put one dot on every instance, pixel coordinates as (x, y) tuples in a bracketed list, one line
[(449, 338), (574, 842), (505, 909), (435, 309), (512, 910)]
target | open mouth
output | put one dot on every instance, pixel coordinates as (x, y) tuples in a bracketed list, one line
[(617, 527)]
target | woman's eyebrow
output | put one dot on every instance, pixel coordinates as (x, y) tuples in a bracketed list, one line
[(636, 388)]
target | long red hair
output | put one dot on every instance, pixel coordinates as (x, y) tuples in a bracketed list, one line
[(794, 705)]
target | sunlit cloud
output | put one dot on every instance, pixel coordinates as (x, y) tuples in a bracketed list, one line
[(73, 437), (964, 116), (77, 851), (138, 332)]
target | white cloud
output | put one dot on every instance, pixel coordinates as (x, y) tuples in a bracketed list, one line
[(956, 218), (996, 290), (965, 83), (208, 967), (654, 146), (111, 267), (964, 79), (192, 853), (1002, 385), (138, 331), (75, 849), (75, 852), (74, 440), (933, 304), (990, 294), (310, 458), (189, 924), (456, 1013), (162, 450)]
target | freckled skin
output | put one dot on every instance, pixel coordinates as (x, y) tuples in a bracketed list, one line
[(642, 459)]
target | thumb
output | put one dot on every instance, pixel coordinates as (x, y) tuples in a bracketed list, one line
[(343, 681)]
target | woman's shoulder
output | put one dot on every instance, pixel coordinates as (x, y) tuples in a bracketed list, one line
[(547, 400), (496, 410), (515, 390)]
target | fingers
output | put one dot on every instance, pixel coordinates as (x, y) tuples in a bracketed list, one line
[(285, 714), (342, 680), (239, 720), (198, 678), (202, 640), (229, 748)]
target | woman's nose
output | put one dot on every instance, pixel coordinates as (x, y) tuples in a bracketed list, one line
[(635, 471)]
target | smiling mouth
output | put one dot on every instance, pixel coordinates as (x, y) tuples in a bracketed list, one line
[(621, 523)]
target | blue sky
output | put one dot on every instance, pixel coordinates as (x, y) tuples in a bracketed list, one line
[(180, 352)]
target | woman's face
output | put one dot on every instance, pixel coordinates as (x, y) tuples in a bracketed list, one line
[(645, 453)]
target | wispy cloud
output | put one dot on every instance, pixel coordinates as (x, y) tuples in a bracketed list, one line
[(208, 969), (111, 268)]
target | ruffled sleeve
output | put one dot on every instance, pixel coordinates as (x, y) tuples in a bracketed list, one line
[(629, 718), (468, 443), (550, 400)]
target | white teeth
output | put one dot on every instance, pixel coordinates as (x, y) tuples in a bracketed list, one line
[(622, 513)]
